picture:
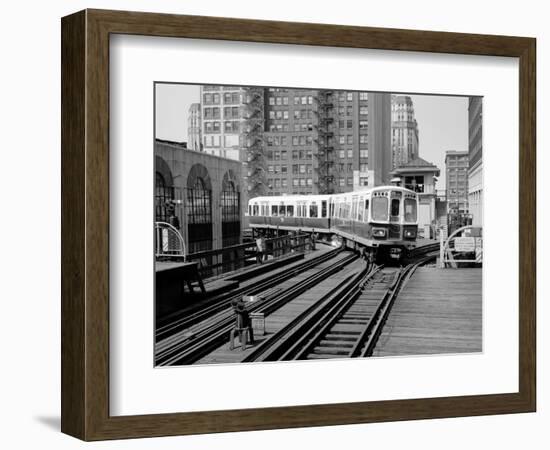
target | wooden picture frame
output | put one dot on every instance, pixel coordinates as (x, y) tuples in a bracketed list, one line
[(85, 224)]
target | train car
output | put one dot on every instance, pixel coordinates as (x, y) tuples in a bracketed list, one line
[(382, 220), (291, 212)]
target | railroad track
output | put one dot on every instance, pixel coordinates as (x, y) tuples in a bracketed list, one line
[(187, 348), (185, 320), (345, 324)]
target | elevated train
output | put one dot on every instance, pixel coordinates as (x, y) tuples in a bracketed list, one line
[(383, 221)]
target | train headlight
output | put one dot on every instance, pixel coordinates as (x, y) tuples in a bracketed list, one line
[(411, 234), (379, 232)]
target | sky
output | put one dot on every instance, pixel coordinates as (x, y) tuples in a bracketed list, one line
[(172, 107), (442, 121), (442, 125)]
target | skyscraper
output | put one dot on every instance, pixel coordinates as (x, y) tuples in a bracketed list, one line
[(194, 127), (475, 153), (456, 165), (222, 118), (379, 139), (306, 141), (404, 130)]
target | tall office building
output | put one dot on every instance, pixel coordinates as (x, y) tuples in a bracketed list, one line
[(304, 141), (316, 141), (194, 127), (222, 114), (379, 138), (475, 154), (404, 131), (456, 165)]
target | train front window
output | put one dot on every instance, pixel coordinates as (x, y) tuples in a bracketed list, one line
[(410, 210), (380, 208), (395, 207)]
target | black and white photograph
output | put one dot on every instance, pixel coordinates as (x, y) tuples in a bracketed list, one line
[(303, 223)]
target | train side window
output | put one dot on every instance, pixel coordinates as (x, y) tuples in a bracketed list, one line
[(313, 210), (331, 209), (324, 208), (282, 210), (274, 210), (255, 210), (290, 211), (366, 210), (354, 208)]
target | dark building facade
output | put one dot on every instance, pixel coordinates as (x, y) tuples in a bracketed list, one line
[(475, 154), (202, 192)]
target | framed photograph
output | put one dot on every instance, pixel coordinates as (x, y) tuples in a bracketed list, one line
[(272, 225)]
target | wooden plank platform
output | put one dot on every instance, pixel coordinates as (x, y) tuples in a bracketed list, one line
[(438, 311), (279, 318)]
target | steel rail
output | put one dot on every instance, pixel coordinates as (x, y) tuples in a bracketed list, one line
[(218, 303), (212, 336)]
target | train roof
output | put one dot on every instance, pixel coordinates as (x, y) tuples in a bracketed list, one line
[(282, 198), (279, 198)]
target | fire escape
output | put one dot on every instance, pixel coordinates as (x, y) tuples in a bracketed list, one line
[(325, 142), (254, 142)]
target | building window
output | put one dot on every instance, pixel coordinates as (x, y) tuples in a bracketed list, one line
[(363, 96), (363, 167), (342, 139), (363, 138), (350, 139), (341, 153), (350, 96), (363, 124), (363, 153)]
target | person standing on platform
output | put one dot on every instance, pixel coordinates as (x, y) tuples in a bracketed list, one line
[(259, 248), (313, 239)]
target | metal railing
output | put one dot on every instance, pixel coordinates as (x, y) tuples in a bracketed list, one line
[(219, 261), (451, 255), (169, 242)]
